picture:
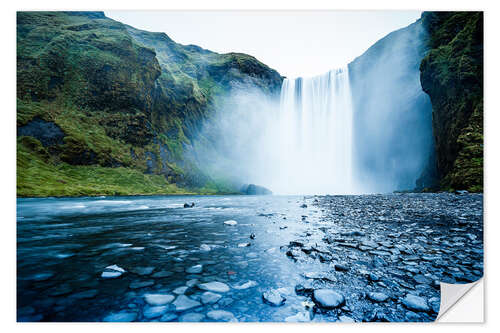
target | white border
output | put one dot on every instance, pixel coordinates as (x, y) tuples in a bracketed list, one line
[(7, 132)]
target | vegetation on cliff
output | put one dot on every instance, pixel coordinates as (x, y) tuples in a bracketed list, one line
[(128, 104), (452, 75)]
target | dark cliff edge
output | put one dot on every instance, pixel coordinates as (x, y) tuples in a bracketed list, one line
[(452, 75), (107, 109)]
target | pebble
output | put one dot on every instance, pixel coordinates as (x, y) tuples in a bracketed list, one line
[(221, 315), (192, 317), (328, 298), (154, 311), (209, 297), (246, 285), (377, 297), (112, 272), (143, 270), (196, 269), (273, 297), (162, 274), (214, 286), (123, 316), (183, 303), (180, 290), (140, 284), (169, 316), (415, 303), (158, 299)]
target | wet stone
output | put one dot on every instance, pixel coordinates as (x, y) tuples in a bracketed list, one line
[(299, 317), (158, 299), (196, 269), (85, 294), (210, 297), (415, 303), (140, 284), (328, 298), (273, 297), (154, 311), (162, 274), (180, 290), (377, 297), (246, 285), (143, 270), (214, 286), (169, 316), (124, 316), (183, 303), (221, 315), (192, 317)]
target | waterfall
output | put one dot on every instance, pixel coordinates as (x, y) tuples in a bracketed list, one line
[(315, 145)]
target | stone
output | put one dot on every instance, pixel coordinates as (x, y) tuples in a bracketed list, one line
[(415, 303), (377, 297), (112, 272), (192, 317), (435, 304), (180, 290), (91, 293), (169, 316), (140, 284), (143, 270), (244, 244), (328, 298), (221, 315), (154, 311), (273, 297), (346, 319), (191, 283), (196, 269), (205, 247), (214, 286), (373, 277), (183, 303), (341, 268), (124, 316), (299, 317), (158, 299), (230, 222), (209, 297), (246, 285), (162, 274)]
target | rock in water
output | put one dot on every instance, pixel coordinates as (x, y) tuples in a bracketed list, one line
[(221, 315), (192, 317), (210, 297), (196, 269), (300, 317), (154, 311), (328, 298), (230, 222), (214, 286), (246, 285), (121, 317), (112, 272), (158, 299), (273, 297), (183, 303), (415, 303)]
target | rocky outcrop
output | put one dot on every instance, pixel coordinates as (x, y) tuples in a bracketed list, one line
[(452, 75), (123, 97)]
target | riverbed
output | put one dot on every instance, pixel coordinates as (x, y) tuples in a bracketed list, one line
[(244, 258)]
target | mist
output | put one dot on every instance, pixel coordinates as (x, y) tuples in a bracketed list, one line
[(364, 128)]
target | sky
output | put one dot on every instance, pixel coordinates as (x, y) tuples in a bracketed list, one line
[(295, 43)]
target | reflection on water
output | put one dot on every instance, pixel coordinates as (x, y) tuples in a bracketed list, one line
[(65, 244)]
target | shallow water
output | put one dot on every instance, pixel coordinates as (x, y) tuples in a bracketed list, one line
[(410, 242), (64, 244)]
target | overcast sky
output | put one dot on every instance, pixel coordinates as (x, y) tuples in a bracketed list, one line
[(295, 43)]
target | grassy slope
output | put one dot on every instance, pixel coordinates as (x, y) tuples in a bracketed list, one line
[(126, 105), (452, 75)]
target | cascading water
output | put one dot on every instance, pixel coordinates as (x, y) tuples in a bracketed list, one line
[(315, 145)]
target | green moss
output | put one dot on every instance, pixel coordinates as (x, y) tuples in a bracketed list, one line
[(452, 75)]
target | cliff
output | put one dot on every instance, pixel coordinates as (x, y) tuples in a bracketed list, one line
[(103, 108), (452, 75)]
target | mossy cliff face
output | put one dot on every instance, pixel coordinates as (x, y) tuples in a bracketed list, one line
[(127, 102), (452, 75)]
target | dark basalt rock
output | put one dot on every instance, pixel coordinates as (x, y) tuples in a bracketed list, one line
[(47, 132)]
